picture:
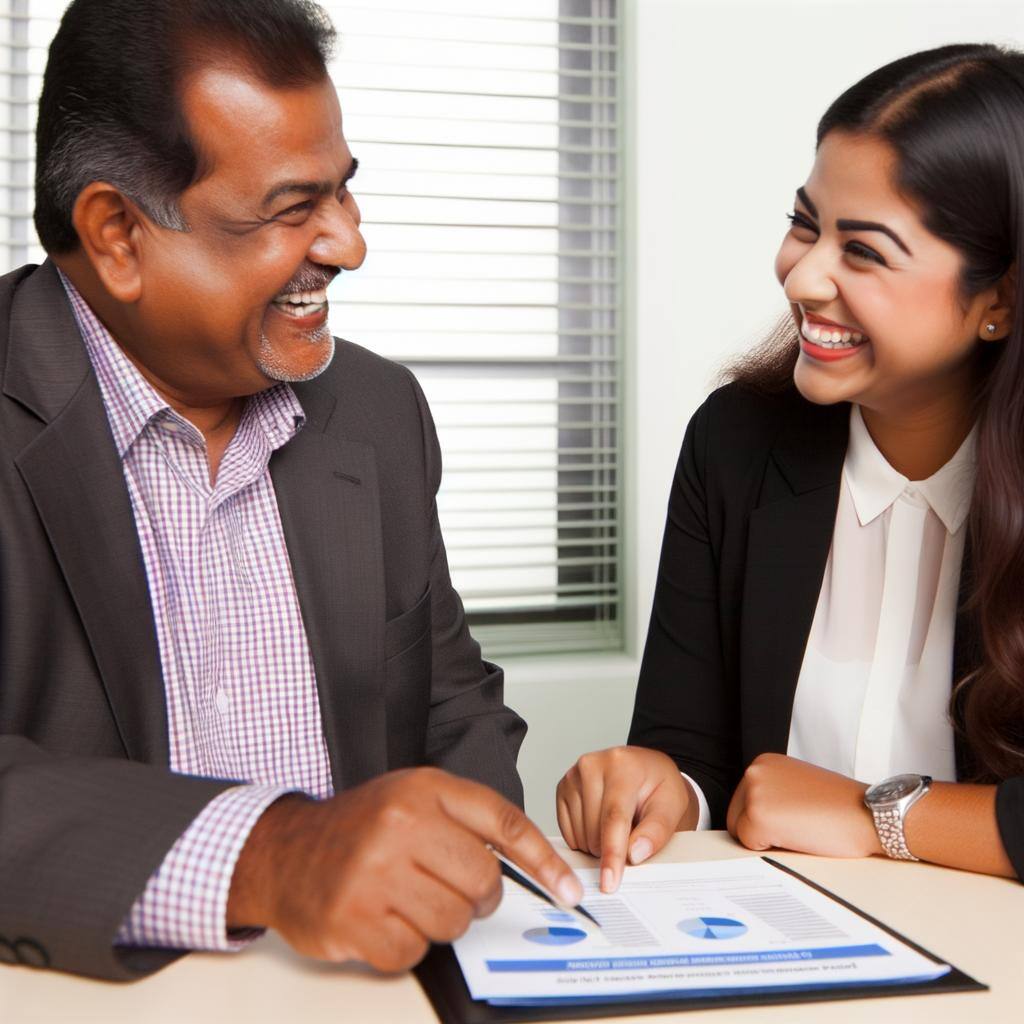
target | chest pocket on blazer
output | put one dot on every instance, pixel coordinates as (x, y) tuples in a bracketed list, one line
[(407, 666)]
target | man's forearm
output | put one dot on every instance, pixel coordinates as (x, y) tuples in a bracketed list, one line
[(251, 898), (184, 904)]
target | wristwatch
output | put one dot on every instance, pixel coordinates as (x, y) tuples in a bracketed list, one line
[(889, 801)]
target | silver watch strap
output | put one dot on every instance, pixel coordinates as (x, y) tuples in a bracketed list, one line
[(889, 826)]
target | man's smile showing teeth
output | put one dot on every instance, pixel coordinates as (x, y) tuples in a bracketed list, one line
[(302, 304)]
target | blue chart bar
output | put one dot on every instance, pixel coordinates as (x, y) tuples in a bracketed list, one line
[(766, 956)]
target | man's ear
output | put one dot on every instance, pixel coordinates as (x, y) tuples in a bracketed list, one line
[(108, 225), (1001, 312)]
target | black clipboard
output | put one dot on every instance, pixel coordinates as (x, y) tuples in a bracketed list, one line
[(441, 978)]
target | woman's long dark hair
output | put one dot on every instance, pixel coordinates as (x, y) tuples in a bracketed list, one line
[(955, 118)]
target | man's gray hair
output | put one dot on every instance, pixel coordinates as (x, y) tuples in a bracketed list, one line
[(110, 108)]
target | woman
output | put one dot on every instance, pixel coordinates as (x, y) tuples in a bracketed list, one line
[(840, 598)]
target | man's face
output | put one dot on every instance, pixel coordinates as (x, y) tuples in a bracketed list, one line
[(239, 301)]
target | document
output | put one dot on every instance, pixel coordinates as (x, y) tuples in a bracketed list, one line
[(681, 929)]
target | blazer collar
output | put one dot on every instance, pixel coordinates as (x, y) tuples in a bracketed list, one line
[(74, 477), (46, 358), (810, 448)]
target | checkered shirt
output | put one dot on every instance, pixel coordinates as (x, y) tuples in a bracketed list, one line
[(238, 675)]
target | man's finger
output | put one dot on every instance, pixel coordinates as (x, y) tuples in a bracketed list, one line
[(390, 944), (616, 820), (500, 823), (452, 853), (433, 908), (659, 817)]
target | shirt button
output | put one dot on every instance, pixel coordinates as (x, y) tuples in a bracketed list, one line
[(223, 701)]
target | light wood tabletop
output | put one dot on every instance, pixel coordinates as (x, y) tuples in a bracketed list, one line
[(972, 921)]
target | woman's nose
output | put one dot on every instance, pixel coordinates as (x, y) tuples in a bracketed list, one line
[(810, 280)]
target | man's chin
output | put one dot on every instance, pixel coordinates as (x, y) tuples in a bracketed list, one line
[(298, 359)]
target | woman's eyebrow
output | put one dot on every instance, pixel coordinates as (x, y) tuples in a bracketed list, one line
[(806, 200), (870, 225), (853, 225)]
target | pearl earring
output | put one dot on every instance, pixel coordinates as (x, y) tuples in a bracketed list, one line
[(991, 328)]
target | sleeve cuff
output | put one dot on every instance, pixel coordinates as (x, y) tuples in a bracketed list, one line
[(704, 817), (1010, 820), (184, 904)]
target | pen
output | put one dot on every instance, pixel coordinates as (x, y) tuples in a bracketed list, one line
[(515, 874)]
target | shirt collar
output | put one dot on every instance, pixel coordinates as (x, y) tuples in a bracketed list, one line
[(132, 402), (129, 398), (875, 485)]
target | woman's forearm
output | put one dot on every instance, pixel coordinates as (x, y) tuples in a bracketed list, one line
[(954, 824)]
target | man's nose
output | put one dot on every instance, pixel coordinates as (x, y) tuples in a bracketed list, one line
[(811, 280), (339, 242)]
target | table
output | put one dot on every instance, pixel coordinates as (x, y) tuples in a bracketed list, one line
[(973, 921)]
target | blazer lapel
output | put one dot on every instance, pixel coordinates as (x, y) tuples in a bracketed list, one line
[(789, 538), (75, 478), (329, 501)]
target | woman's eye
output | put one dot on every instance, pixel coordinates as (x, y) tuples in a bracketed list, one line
[(798, 220), (862, 252)]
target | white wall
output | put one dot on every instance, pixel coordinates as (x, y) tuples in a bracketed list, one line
[(722, 102)]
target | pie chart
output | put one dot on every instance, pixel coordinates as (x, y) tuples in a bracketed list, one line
[(713, 927), (554, 936)]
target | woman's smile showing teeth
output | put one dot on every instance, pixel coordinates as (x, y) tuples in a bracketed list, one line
[(826, 340)]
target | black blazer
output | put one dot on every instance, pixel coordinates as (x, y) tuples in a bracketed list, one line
[(88, 807), (750, 521)]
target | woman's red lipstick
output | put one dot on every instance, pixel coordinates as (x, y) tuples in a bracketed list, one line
[(827, 341)]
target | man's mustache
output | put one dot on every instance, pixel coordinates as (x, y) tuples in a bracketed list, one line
[(310, 279)]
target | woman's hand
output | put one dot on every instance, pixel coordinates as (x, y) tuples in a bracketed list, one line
[(624, 800), (791, 804)]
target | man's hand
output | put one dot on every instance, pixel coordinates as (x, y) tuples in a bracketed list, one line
[(784, 802), (382, 870), (624, 801)]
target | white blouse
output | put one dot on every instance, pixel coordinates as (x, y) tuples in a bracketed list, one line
[(871, 700)]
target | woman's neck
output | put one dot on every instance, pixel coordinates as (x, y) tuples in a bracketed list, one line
[(919, 442)]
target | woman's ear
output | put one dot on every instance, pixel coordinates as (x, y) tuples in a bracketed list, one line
[(997, 322), (108, 224)]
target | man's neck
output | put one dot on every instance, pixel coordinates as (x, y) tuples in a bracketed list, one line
[(216, 420)]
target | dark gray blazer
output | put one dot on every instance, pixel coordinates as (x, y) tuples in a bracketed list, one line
[(88, 807), (750, 521)]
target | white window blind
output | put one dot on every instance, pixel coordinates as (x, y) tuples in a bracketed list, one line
[(488, 140)]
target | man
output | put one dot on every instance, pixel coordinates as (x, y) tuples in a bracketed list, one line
[(208, 573)]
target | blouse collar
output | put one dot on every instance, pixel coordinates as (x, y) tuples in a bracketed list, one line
[(875, 485)]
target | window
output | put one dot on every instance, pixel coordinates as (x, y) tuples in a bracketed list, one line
[(488, 142)]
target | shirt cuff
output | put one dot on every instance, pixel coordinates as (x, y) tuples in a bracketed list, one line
[(704, 817), (185, 902)]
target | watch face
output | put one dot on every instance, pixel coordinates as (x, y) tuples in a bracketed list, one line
[(891, 790)]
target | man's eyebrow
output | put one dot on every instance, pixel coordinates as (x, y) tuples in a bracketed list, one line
[(308, 188), (870, 225)]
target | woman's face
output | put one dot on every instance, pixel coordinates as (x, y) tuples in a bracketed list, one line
[(874, 293)]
